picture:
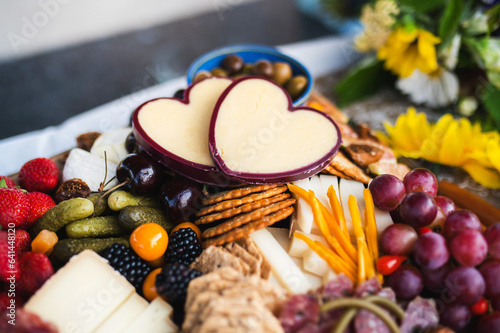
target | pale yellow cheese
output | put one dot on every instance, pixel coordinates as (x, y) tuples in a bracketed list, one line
[(303, 218), (183, 129), (351, 187), (81, 295), (155, 318), (314, 264), (256, 133), (124, 315), (286, 271), (298, 246)]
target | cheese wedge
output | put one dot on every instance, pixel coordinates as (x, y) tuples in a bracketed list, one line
[(303, 217), (155, 318), (298, 247), (124, 315), (314, 264), (286, 271), (81, 295)]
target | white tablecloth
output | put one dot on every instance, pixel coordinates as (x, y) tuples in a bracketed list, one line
[(320, 56)]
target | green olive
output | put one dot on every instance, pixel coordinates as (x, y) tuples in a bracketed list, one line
[(232, 63), (217, 71), (282, 72), (296, 86), (263, 68), (203, 74), (247, 69)]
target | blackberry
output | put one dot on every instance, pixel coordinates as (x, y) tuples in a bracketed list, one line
[(173, 281), (183, 247), (129, 264)]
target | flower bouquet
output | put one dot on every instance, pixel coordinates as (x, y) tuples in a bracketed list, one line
[(440, 53)]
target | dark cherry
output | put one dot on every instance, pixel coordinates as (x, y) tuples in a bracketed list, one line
[(181, 198), (179, 94), (142, 173)]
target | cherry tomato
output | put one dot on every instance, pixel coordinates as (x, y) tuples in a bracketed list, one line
[(424, 230), (149, 241), (149, 287), (387, 265), (480, 307)]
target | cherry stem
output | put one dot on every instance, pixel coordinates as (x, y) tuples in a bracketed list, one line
[(114, 188)]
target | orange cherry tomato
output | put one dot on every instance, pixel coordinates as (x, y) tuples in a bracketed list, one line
[(480, 307), (149, 287), (149, 241), (386, 265), (187, 225)]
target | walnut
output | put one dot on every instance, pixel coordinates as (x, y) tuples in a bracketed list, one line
[(72, 188)]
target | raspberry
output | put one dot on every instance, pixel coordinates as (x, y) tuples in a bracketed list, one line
[(125, 261), (183, 247), (173, 281)]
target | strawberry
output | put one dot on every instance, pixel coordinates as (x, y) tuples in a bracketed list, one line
[(9, 268), (39, 203), (34, 270), (14, 207), (40, 174), (23, 242), (6, 182)]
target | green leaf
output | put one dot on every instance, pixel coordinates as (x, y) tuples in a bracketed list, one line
[(491, 101), (362, 81), (422, 6), (450, 21), (493, 15), (3, 183)]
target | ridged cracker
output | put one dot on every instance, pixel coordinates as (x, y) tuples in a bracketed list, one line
[(249, 245), (342, 164), (230, 212), (332, 171), (242, 219), (248, 228), (238, 251), (236, 193), (214, 257)]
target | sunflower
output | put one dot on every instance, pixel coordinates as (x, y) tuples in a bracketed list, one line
[(408, 49), (454, 142)]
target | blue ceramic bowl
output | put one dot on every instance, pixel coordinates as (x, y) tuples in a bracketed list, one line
[(250, 53)]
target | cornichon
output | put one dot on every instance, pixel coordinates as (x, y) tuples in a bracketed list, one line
[(99, 226), (66, 248), (121, 199), (100, 206), (63, 213), (133, 216)]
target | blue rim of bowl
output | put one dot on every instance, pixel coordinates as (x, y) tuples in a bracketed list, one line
[(235, 48)]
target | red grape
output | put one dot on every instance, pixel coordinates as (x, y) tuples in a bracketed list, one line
[(430, 251), (446, 204), (406, 282), (434, 278), (466, 283), (387, 191), (489, 323), (455, 316), (459, 220), (469, 247), (491, 274), (421, 180), (418, 209), (398, 239), (395, 216), (492, 235)]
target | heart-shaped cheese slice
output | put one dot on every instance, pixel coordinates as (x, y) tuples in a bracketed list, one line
[(175, 132), (257, 136)]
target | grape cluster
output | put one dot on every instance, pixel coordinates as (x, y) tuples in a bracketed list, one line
[(450, 255)]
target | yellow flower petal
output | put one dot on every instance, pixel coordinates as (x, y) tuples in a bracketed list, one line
[(486, 177), (493, 152), (452, 146)]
